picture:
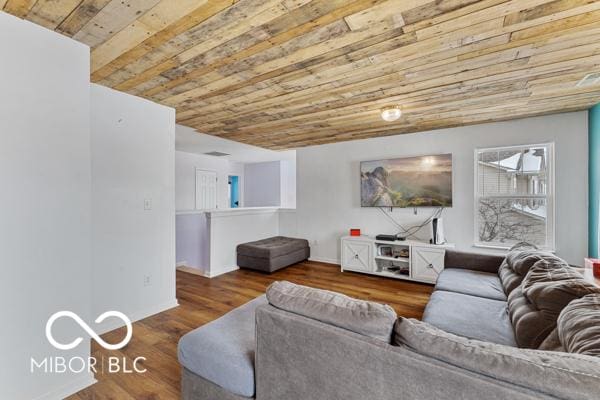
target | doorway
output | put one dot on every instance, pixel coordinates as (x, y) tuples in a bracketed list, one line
[(234, 191), (206, 189)]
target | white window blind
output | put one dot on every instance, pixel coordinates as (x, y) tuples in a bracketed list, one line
[(514, 196)]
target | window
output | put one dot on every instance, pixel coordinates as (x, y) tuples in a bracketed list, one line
[(514, 198)]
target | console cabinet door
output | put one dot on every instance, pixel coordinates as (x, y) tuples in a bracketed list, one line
[(356, 255), (427, 263)]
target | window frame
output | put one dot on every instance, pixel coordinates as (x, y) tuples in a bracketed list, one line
[(550, 196)]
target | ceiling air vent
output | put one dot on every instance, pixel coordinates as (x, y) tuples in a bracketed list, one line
[(590, 79), (216, 154)]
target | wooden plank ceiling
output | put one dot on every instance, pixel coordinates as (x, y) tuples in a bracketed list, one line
[(290, 73)]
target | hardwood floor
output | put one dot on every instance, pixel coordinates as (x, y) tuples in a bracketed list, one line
[(203, 300)]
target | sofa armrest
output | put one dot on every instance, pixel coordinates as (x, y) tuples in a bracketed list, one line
[(298, 358), (473, 261)]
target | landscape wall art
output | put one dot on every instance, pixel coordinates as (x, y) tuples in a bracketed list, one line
[(424, 181)]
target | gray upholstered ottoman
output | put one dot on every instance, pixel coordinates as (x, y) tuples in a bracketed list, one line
[(269, 255)]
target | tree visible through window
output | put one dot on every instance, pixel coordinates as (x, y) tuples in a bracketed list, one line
[(513, 196)]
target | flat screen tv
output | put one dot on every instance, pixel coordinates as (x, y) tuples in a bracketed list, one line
[(424, 181)]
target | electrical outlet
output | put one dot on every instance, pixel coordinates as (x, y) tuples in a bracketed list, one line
[(147, 204), (147, 280)]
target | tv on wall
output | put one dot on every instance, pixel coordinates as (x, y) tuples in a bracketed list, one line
[(424, 181)]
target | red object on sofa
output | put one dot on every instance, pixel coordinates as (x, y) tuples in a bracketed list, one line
[(594, 264), (354, 232)]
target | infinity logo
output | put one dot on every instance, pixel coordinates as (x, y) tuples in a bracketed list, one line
[(89, 330)]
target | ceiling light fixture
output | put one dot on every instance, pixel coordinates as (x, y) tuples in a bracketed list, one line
[(589, 80), (391, 113)]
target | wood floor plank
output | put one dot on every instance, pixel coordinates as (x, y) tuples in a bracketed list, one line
[(203, 300)]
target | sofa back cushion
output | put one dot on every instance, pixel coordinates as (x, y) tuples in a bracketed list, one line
[(547, 271), (579, 326), (562, 375), (364, 317), (535, 305), (509, 278), (519, 260)]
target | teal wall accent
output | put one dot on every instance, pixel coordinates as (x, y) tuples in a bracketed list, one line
[(594, 179)]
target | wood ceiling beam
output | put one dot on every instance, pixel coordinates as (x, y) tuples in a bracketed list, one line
[(86, 10), (51, 13), (502, 30), (576, 35), (111, 19), (211, 25), (153, 21), (19, 8), (326, 18), (481, 77), (441, 121), (288, 73)]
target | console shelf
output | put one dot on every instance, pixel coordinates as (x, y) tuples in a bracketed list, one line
[(409, 259), (395, 259)]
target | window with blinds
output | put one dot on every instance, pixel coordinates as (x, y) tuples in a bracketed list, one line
[(514, 198)]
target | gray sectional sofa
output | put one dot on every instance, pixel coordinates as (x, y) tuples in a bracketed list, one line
[(524, 327)]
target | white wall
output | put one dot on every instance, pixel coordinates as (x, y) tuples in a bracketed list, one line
[(288, 183), (193, 241), (262, 184), (229, 228), (185, 178), (328, 200), (44, 205), (132, 161)]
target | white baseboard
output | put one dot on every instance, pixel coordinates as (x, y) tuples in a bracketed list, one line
[(181, 264), (62, 392), (223, 271), (114, 323), (325, 260), (203, 272), (194, 271)]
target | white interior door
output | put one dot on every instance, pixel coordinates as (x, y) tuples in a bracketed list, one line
[(206, 189)]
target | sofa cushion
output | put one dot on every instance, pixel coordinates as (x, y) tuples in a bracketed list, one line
[(519, 260), (474, 283), (579, 326), (562, 375), (509, 278), (473, 261), (534, 307), (470, 316), (222, 351), (531, 327), (552, 297), (552, 342), (549, 270), (364, 317), (272, 247)]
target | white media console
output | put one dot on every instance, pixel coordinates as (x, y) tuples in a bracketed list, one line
[(408, 259)]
